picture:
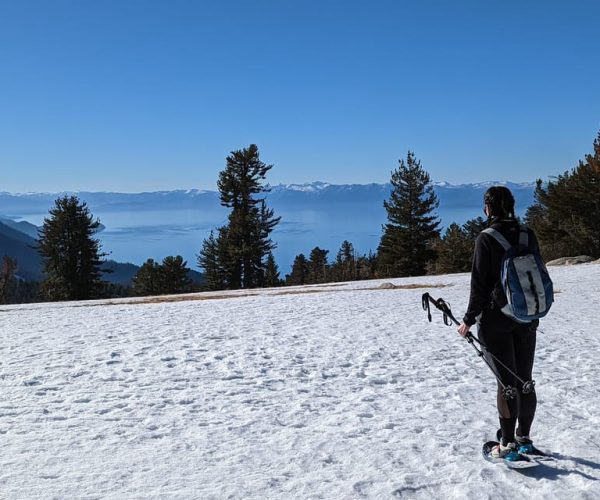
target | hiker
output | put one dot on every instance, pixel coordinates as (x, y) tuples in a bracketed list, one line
[(512, 342)]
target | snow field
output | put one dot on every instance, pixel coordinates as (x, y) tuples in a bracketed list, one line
[(345, 392)]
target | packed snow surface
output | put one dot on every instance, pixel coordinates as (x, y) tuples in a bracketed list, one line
[(335, 391)]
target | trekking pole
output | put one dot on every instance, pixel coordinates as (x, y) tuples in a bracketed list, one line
[(508, 392)]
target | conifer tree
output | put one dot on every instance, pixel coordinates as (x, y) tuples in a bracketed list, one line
[(148, 280), (344, 267), (299, 273), (473, 227), (407, 243), (212, 260), (174, 275), (21, 292), (70, 253), (272, 278), (366, 266), (317, 265), (454, 251), (236, 258), (566, 212), (8, 267)]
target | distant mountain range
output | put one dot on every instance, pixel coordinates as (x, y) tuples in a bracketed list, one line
[(19, 205), (160, 223)]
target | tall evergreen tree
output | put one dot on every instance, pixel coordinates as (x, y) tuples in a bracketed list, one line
[(299, 273), (566, 212), (407, 243), (237, 256), (317, 265), (70, 252), (271, 272)]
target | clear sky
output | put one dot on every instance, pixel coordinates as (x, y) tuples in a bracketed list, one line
[(132, 95)]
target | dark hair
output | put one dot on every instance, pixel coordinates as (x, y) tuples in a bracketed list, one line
[(500, 201)]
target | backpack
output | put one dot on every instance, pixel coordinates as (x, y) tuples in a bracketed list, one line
[(524, 279)]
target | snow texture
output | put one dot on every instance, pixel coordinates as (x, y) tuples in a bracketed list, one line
[(336, 391)]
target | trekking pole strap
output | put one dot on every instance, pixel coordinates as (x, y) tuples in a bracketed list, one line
[(441, 305)]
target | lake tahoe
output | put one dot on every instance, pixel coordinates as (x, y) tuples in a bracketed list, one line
[(134, 235)]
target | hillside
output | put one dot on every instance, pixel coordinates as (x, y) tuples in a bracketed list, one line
[(18, 245), (333, 391), (16, 242)]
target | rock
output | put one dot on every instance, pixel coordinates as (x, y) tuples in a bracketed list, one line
[(387, 286), (568, 261)]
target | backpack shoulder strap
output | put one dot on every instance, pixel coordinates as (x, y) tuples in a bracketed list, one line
[(524, 236), (498, 237)]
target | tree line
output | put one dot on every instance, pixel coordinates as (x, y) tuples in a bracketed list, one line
[(565, 215)]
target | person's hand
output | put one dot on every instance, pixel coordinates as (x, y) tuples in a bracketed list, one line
[(463, 329)]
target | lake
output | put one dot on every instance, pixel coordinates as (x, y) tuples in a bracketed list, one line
[(134, 236)]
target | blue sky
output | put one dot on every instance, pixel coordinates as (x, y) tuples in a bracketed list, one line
[(141, 95)]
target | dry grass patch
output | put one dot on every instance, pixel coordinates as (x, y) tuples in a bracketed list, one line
[(224, 296)]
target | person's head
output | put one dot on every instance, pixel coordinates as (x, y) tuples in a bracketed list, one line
[(499, 202)]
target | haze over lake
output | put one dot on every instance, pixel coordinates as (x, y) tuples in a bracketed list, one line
[(153, 225)]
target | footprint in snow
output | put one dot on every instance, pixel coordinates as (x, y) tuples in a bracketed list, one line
[(361, 487)]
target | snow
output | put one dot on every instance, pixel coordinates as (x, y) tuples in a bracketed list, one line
[(309, 187), (486, 185), (335, 391)]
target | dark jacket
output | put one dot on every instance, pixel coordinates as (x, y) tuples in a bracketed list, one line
[(487, 259)]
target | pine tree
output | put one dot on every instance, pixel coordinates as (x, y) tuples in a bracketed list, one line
[(271, 272), (174, 275), (148, 280), (407, 243), (22, 292), (455, 251), (71, 255), (299, 274), (344, 267), (317, 266), (212, 260), (473, 227), (265, 225), (236, 258), (8, 268), (566, 213), (366, 266)]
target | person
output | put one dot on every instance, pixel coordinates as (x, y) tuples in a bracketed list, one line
[(511, 342)]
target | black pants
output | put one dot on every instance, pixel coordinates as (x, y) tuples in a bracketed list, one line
[(514, 345)]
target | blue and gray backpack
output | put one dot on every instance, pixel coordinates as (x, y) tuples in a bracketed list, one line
[(524, 279)]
